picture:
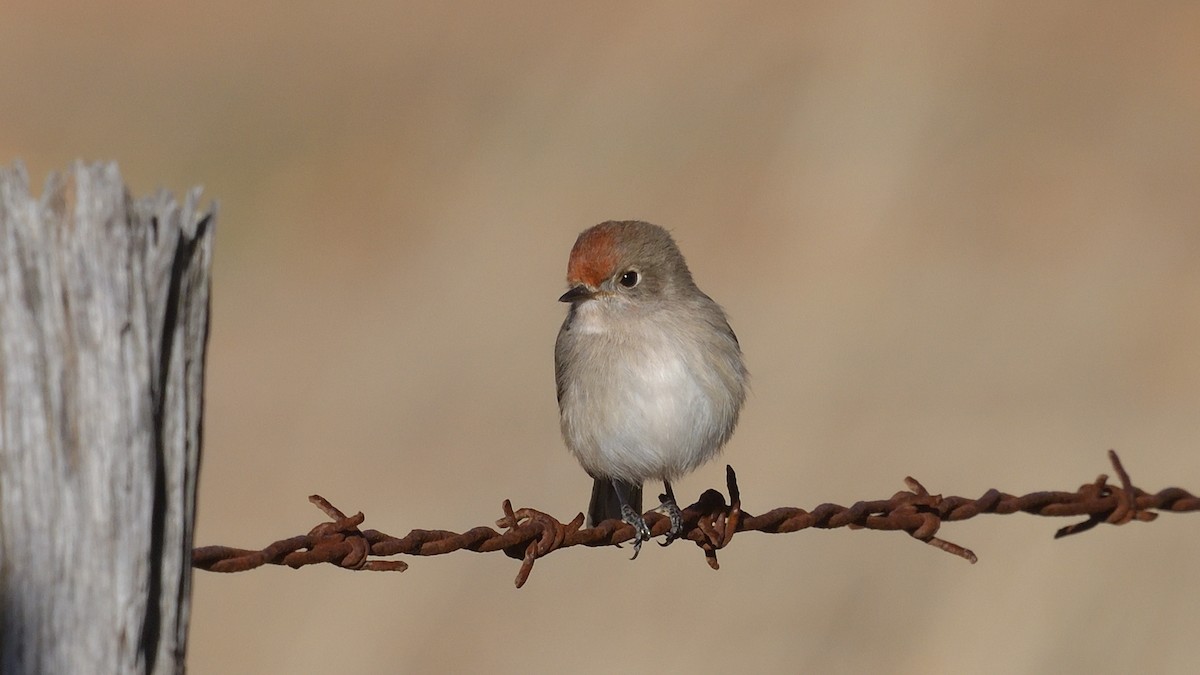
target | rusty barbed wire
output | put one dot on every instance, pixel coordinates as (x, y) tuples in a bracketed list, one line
[(529, 534)]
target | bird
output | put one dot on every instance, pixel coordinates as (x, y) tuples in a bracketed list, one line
[(650, 376)]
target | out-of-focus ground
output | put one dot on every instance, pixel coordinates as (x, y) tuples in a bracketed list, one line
[(957, 241)]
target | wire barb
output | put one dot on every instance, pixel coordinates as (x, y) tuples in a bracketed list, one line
[(528, 534)]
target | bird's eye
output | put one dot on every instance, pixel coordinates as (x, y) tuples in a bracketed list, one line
[(630, 278)]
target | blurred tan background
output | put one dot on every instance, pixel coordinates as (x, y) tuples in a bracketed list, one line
[(959, 241)]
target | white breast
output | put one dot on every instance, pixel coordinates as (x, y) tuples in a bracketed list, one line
[(642, 404)]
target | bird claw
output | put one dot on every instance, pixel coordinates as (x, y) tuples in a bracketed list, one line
[(641, 532), (672, 510)]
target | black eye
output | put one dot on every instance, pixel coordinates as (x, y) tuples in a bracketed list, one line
[(630, 279)]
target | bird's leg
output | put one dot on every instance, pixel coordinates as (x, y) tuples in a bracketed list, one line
[(641, 532), (667, 504)]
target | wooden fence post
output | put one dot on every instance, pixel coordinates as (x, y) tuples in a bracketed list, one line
[(104, 311)]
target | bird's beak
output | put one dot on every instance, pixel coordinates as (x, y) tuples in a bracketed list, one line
[(577, 294)]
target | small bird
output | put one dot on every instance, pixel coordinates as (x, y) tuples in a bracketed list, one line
[(650, 375)]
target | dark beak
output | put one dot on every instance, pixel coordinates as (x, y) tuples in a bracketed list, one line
[(577, 294)]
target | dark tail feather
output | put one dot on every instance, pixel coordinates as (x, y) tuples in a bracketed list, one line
[(606, 503)]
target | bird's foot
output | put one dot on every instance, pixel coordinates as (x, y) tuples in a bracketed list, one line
[(641, 532), (669, 507)]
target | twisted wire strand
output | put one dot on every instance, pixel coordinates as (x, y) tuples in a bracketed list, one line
[(528, 534)]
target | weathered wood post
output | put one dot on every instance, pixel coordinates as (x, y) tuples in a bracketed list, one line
[(104, 310)]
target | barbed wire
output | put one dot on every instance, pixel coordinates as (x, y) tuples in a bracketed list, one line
[(529, 534)]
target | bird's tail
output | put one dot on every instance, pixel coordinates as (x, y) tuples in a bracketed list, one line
[(606, 503)]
